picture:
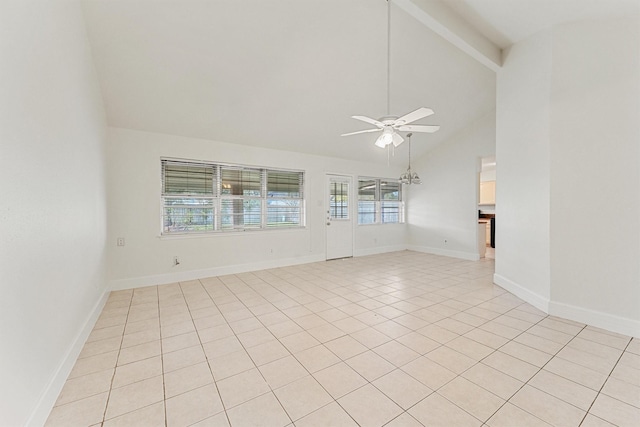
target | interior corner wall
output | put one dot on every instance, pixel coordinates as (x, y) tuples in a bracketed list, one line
[(443, 211), (134, 213), (595, 173), (523, 170), (53, 205)]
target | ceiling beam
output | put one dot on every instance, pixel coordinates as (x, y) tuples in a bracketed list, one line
[(446, 23)]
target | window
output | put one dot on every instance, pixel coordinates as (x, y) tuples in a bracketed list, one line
[(379, 201), (205, 197)]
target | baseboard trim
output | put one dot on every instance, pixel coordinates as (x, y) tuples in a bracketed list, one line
[(54, 386), (599, 319), (536, 300), (182, 276), (379, 250), (469, 256)]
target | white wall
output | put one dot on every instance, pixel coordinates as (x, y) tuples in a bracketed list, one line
[(595, 172), (445, 205), (53, 204), (134, 212), (522, 171), (568, 155)]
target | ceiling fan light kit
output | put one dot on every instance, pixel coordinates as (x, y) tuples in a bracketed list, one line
[(391, 125)]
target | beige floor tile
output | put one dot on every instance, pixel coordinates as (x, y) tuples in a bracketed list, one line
[(186, 379), (134, 396), (219, 420), (546, 407), (246, 325), (368, 406), (267, 352), (587, 360), (437, 411), (550, 334), (255, 337), (85, 386), (429, 373), (326, 333), (564, 389), (182, 358), (510, 416), (615, 411), (593, 421), (316, 358), (530, 355), (392, 329), (539, 343), (350, 325), (370, 365), (194, 406), (137, 371), (451, 359), (345, 347), (178, 342), (149, 416), (83, 412), (438, 333), (222, 346), (597, 349), (241, 388), (299, 341), (180, 328), (486, 338), (302, 397), (264, 410), (370, 337), (139, 352), (99, 347), (230, 364), (93, 364), (627, 373), (214, 333), (282, 371), (622, 390), (330, 415), (141, 337), (509, 365), (472, 398), (333, 315), (470, 348), (104, 333), (396, 353), (496, 382), (284, 329), (604, 337), (576, 373), (418, 342), (404, 420), (500, 329), (339, 379), (402, 388)]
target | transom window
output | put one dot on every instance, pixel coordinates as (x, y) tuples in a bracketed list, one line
[(379, 201), (206, 197)]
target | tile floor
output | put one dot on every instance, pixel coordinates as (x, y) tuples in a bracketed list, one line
[(401, 339)]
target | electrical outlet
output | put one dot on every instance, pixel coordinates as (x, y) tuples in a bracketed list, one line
[(120, 241)]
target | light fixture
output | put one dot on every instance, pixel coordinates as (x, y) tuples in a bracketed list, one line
[(391, 125), (409, 177)]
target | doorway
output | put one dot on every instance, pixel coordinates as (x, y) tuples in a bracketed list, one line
[(339, 221), (487, 207)]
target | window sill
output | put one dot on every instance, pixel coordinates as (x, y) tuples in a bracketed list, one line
[(178, 236)]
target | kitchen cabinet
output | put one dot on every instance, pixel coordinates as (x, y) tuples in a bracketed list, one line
[(488, 193)]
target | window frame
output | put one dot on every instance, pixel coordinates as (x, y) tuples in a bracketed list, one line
[(219, 198), (378, 202)]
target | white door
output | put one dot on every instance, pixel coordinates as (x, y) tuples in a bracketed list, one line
[(339, 224)]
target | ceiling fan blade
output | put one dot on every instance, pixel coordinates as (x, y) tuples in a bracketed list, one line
[(360, 131), (397, 139), (369, 120), (418, 128), (414, 115)]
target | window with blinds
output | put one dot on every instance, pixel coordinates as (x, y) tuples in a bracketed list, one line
[(207, 197), (379, 201)]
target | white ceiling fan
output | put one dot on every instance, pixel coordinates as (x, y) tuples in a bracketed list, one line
[(391, 125)]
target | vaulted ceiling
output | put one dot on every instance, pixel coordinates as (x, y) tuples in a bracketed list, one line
[(289, 74)]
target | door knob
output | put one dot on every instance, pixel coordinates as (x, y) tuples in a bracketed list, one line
[(328, 223)]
